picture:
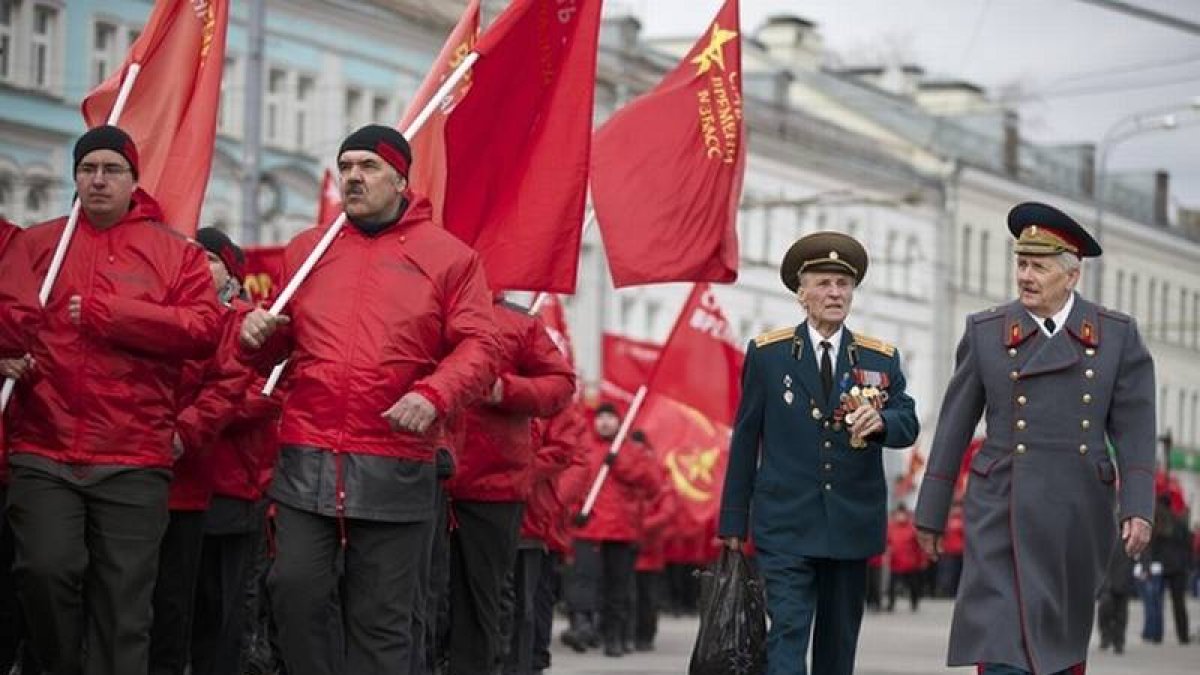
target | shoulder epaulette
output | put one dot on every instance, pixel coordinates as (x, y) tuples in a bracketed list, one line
[(773, 336), (1114, 314), (874, 344), (989, 314)]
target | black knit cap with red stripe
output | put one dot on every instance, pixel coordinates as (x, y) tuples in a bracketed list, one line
[(107, 137), (219, 244), (383, 141)]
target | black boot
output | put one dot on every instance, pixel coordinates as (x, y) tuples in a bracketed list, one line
[(577, 635), (613, 640)]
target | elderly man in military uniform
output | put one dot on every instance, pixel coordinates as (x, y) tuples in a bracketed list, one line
[(1055, 376), (805, 466)]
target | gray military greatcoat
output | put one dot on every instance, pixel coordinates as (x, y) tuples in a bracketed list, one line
[(1042, 501)]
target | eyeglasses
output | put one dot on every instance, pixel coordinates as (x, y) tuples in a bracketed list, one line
[(112, 170)]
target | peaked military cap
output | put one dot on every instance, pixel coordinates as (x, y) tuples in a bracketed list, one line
[(823, 252), (1041, 229)]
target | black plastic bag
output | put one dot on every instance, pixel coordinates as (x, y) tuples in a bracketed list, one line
[(733, 621)]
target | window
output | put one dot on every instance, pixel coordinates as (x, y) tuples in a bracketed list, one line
[(1133, 295), (1179, 430), (653, 309), (1118, 299), (9, 17), (6, 196), (1150, 327), (273, 122), (1164, 319), (965, 278), (352, 111), (380, 111), (41, 47), (1195, 438), (1196, 320), (892, 260), (37, 199), (625, 312), (1009, 259), (912, 254), (985, 240), (227, 109), (768, 238), (1182, 331), (305, 88), (104, 51)]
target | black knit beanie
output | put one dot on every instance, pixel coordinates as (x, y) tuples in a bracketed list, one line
[(383, 141), (107, 137)]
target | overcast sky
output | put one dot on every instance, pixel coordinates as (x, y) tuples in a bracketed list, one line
[(1082, 67)]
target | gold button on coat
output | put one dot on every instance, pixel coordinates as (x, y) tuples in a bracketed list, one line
[(1013, 375), (1086, 424), (1012, 351), (1083, 449), (1020, 448), (1089, 373), (1087, 398), (1020, 424), (1022, 400)]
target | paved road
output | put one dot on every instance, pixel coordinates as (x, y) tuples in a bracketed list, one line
[(895, 644)]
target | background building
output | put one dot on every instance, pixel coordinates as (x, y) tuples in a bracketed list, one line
[(923, 170)]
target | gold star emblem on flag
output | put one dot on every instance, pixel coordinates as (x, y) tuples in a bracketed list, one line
[(714, 52)]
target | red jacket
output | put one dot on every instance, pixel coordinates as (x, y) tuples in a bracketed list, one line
[(213, 393), (904, 553), (13, 337), (658, 513), (104, 392), (405, 310), (615, 515), (560, 446), (243, 457), (495, 462)]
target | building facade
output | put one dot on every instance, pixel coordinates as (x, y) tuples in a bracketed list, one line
[(923, 171)]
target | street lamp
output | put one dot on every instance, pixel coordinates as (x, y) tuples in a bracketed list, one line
[(1158, 119)]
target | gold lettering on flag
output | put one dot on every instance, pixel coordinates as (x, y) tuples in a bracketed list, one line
[(719, 104), (207, 15)]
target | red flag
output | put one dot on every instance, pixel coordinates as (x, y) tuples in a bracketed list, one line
[(329, 202), (171, 112), (428, 174), (517, 144), (689, 410), (628, 364), (264, 272), (667, 169), (555, 320)]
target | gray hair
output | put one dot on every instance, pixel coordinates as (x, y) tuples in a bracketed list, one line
[(1069, 261)]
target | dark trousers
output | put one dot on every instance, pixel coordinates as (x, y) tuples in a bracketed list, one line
[(683, 588), (526, 578), (583, 581), (10, 621), (175, 592), (373, 591), (649, 591), (1004, 669), (1176, 586), (874, 588), (616, 586), (435, 613), (482, 550), (546, 596), (913, 581), (220, 623), (817, 595), (1112, 617), (85, 564)]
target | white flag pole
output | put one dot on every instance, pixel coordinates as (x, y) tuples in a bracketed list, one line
[(64, 241), (613, 449), (306, 268)]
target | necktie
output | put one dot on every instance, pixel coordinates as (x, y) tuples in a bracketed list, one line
[(826, 367), (1050, 326)]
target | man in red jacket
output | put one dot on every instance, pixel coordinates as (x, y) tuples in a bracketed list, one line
[(606, 546), (90, 434), (392, 333), (493, 480), (210, 391), (905, 558)]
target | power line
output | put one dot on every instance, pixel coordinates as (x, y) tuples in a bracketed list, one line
[(1150, 15), (1191, 59)]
